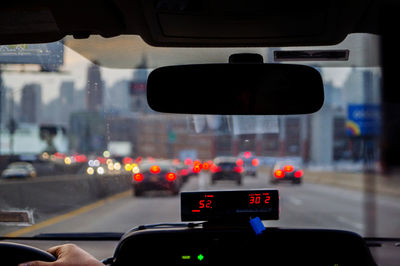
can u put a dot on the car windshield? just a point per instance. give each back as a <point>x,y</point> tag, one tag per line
<point>77,111</point>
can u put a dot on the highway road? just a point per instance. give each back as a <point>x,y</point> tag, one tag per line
<point>306,206</point>
<point>302,206</point>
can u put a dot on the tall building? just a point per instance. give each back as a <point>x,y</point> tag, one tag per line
<point>31,102</point>
<point>66,104</point>
<point>117,97</point>
<point>87,133</point>
<point>138,86</point>
<point>94,89</point>
<point>67,92</point>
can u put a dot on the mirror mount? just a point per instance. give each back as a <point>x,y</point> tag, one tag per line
<point>246,58</point>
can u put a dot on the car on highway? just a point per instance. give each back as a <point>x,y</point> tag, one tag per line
<point>183,170</point>
<point>157,176</point>
<point>249,162</point>
<point>286,171</point>
<point>19,170</point>
<point>166,79</point>
<point>225,168</point>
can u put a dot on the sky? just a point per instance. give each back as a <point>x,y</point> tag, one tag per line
<point>75,69</point>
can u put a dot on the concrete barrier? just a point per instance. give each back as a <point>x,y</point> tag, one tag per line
<point>383,185</point>
<point>59,193</point>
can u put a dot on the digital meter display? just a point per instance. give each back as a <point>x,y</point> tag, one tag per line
<point>223,205</point>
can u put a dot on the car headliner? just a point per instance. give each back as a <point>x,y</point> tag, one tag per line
<point>130,51</point>
<point>203,23</point>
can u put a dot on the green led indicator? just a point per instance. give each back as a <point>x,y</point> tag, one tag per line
<point>200,257</point>
<point>186,257</point>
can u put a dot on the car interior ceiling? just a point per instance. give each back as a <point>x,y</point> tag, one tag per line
<point>159,23</point>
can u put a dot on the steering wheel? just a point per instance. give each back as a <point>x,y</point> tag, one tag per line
<point>13,254</point>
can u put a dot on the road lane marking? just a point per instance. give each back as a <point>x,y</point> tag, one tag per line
<point>68,215</point>
<point>344,220</point>
<point>295,201</point>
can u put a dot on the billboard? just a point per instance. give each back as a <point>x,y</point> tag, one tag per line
<point>50,56</point>
<point>363,120</point>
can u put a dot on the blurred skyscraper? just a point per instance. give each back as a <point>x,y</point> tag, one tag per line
<point>94,89</point>
<point>138,88</point>
<point>31,102</point>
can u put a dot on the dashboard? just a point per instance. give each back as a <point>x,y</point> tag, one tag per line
<point>240,246</point>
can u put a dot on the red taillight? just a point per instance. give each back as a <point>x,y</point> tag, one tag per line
<point>170,177</point>
<point>81,158</point>
<point>298,173</point>
<point>279,173</point>
<point>197,162</point>
<point>188,161</point>
<point>127,160</point>
<point>247,154</point>
<point>102,160</point>
<point>184,172</point>
<point>197,168</point>
<point>255,162</point>
<point>215,169</point>
<point>239,162</point>
<point>155,169</point>
<point>288,168</point>
<point>238,169</point>
<point>206,166</point>
<point>138,177</point>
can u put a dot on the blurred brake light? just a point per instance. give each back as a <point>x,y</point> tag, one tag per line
<point>298,173</point>
<point>247,154</point>
<point>238,169</point>
<point>170,177</point>
<point>288,168</point>
<point>239,162</point>
<point>206,166</point>
<point>197,168</point>
<point>155,169</point>
<point>184,172</point>
<point>188,161</point>
<point>138,177</point>
<point>279,173</point>
<point>127,160</point>
<point>215,169</point>
<point>255,162</point>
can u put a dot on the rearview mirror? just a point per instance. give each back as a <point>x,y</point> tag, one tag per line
<point>237,89</point>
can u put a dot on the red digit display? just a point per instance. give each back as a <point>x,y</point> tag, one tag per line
<point>256,199</point>
<point>239,204</point>
<point>206,203</point>
<point>201,204</point>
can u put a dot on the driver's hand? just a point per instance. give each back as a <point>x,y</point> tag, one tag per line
<point>67,255</point>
